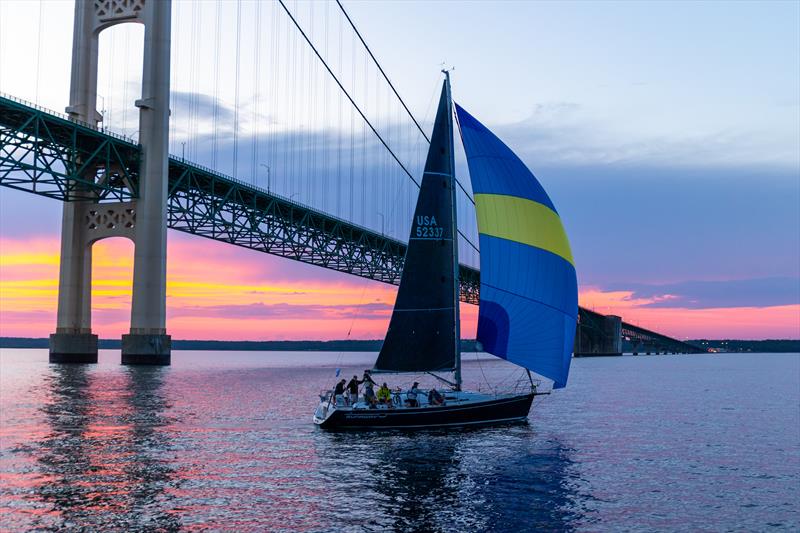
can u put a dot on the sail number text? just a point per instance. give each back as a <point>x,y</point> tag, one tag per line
<point>428,227</point>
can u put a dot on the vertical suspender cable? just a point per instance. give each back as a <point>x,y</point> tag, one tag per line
<point>196,58</point>
<point>2,42</point>
<point>325,126</point>
<point>339,135</point>
<point>347,94</point>
<point>125,102</point>
<point>307,120</point>
<point>352,25</point>
<point>291,101</point>
<point>254,130</point>
<point>39,52</point>
<point>352,133</point>
<point>174,76</point>
<point>236,105</point>
<point>273,110</point>
<point>364,151</point>
<point>215,122</point>
<point>109,88</point>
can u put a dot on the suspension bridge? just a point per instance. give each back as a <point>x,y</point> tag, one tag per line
<point>314,210</point>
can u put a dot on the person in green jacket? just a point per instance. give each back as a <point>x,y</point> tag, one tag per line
<point>384,395</point>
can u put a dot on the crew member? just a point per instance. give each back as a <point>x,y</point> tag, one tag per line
<point>434,398</point>
<point>352,389</point>
<point>411,395</point>
<point>338,391</point>
<point>369,394</point>
<point>384,395</point>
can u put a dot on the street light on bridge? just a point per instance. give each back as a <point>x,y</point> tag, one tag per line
<point>382,226</point>
<point>268,180</point>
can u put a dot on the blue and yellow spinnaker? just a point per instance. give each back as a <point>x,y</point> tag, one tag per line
<point>529,291</point>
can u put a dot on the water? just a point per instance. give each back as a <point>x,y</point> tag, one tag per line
<point>225,441</point>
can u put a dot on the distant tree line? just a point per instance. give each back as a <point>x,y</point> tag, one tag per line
<point>725,345</point>
<point>278,346</point>
<point>765,346</point>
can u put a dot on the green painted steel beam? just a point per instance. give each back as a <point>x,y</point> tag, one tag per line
<point>50,155</point>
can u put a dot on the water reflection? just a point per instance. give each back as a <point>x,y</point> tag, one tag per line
<point>414,473</point>
<point>102,461</point>
<point>483,479</point>
<point>63,453</point>
<point>523,482</point>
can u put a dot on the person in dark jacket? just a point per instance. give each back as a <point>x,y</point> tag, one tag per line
<point>339,389</point>
<point>434,398</point>
<point>368,378</point>
<point>352,389</point>
<point>369,395</point>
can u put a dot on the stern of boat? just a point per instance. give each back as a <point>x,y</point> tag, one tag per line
<point>325,408</point>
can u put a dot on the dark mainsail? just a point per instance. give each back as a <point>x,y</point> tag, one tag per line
<point>424,326</point>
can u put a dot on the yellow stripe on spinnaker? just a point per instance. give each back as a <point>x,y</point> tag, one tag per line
<point>522,220</point>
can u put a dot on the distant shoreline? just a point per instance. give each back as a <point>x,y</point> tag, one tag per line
<point>718,346</point>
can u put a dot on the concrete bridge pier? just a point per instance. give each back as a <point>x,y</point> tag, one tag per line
<point>143,220</point>
<point>603,337</point>
<point>148,342</point>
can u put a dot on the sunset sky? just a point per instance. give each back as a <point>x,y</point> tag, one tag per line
<point>667,134</point>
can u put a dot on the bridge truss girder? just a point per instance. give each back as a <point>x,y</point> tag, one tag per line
<point>641,339</point>
<point>204,203</point>
<point>63,159</point>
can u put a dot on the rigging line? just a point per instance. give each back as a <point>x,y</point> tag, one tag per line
<point>468,241</point>
<point>465,192</point>
<point>478,359</point>
<point>381,69</point>
<point>461,134</point>
<point>363,116</point>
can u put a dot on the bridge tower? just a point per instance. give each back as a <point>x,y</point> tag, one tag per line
<point>144,219</point>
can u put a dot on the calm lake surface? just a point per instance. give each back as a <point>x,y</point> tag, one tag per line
<point>225,441</point>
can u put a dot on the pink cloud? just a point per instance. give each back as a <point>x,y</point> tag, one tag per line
<point>217,291</point>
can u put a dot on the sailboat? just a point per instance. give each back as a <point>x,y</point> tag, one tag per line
<point>528,294</point>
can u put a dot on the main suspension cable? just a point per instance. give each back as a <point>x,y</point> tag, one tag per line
<point>363,116</point>
<point>339,83</point>
<point>352,25</point>
<point>374,60</point>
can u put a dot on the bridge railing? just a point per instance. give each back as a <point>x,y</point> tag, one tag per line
<point>64,116</point>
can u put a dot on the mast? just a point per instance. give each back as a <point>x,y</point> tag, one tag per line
<point>456,309</point>
<point>422,333</point>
